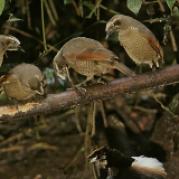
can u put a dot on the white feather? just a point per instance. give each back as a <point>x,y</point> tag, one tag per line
<point>148,165</point>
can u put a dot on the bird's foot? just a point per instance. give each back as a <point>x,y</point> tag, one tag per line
<point>80,90</point>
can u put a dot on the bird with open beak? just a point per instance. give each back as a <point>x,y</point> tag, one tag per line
<point>138,41</point>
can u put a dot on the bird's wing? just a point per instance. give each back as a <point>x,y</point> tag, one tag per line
<point>152,40</point>
<point>96,54</point>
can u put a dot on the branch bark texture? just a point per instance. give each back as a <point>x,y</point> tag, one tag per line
<point>57,102</point>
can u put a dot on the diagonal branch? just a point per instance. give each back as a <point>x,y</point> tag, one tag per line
<point>57,102</point>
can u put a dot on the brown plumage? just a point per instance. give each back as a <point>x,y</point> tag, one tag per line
<point>88,57</point>
<point>23,82</point>
<point>139,42</point>
<point>7,43</point>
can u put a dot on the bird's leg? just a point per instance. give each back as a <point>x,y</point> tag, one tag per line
<point>81,89</point>
<point>151,64</point>
<point>69,77</point>
<point>102,80</point>
<point>77,108</point>
<point>78,88</point>
<point>89,78</point>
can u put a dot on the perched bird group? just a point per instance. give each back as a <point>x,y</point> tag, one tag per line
<point>89,58</point>
<point>23,81</point>
<point>86,56</point>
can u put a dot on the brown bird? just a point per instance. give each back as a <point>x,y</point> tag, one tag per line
<point>139,42</point>
<point>23,82</point>
<point>7,43</point>
<point>88,57</point>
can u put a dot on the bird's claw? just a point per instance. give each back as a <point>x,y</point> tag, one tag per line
<point>80,90</point>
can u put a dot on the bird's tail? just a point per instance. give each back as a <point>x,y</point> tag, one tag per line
<point>123,69</point>
<point>148,166</point>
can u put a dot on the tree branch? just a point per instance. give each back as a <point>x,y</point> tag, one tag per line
<point>57,102</point>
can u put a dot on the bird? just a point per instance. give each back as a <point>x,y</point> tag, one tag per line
<point>139,42</point>
<point>23,82</point>
<point>8,43</point>
<point>112,159</point>
<point>87,57</point>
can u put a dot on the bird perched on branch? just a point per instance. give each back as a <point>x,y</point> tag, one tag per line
<point>88,57</point>
<point>7,43</point>
<point>23,82</point>
<point>112,159</point>
<point>138,41</point>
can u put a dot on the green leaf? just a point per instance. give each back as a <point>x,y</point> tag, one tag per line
<point>134,5</point>
<point>2,4</point>
<point>68,2</point>
<point>175,12</point>
<point>170,3</point>
<point>89,5</point>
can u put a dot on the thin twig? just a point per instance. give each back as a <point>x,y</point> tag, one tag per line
<point>43,24</point>
<point>54,11</point>
<point>161,6</point>
<point>95,8</point>
<point>107,9</point>
<point>49,12</point>
<point>28,14</point>
<point>157,20</point>
<point>26,34</point>
<point>163,106</point>
<point>173,40</point>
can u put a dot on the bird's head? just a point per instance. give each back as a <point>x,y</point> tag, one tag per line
<point>115,24</point>
<point>9,43</point>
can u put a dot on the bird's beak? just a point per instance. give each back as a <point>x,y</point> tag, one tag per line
<point>108,34</point>
<point>13,48</point>
<point>21,49</point>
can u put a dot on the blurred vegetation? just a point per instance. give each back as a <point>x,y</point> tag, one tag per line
<point>53,142</point>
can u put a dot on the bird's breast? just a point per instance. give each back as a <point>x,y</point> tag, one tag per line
<point>137,46</point>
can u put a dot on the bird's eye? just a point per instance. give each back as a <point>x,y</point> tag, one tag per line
<point>117,23</point>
